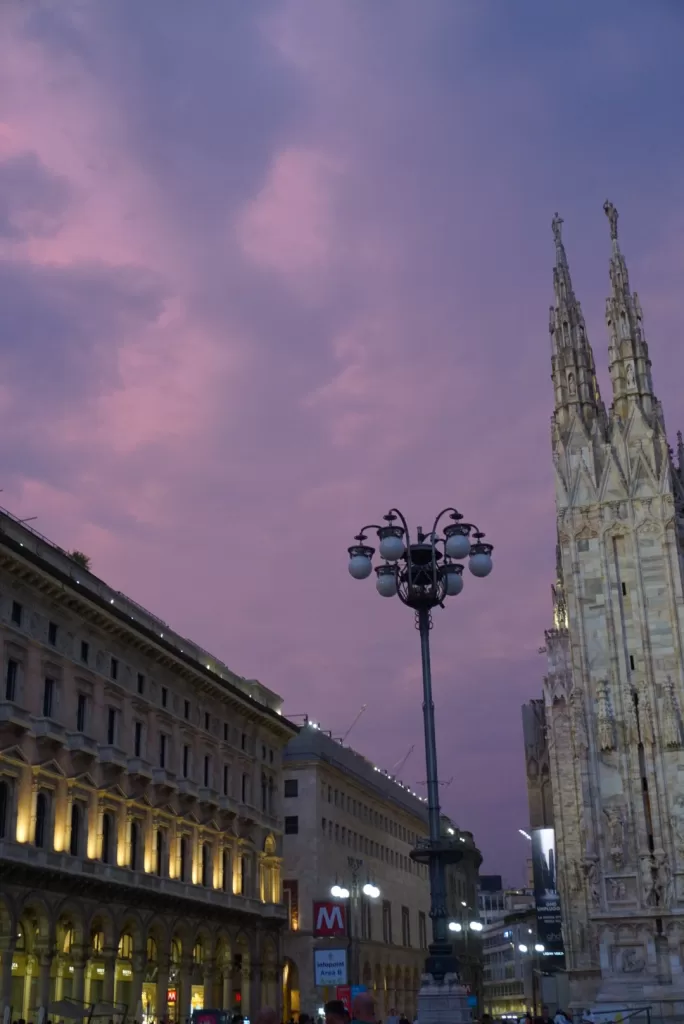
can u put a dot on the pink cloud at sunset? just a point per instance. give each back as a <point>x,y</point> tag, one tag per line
<point>267,270</point>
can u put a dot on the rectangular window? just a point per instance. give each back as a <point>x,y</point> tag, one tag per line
<point>245,788</point>
<point>186,709</point>
<point>52,633</point>
<point>422,930</point>
<point>405,927</point>
<point>164,696</point>
<point>141,682</point>
<point>387,922</point>
<point>186,760</point>
<point>111,726</point>
<point>291,825</point>
<point>631,661</point>
<point>81,706</point>
<point>207,765</point>
<point>225,732</point>
<point>137,742</point>
<point>162,749</point>
<point>48,697</point>
<point>226,779</point>
<point>11,677</point>
<point>243,741</point>
<point>291,787</point>
<point>207,720</point>
<point>17,613</point>
<point>85,651</point>
<point>114,668</point>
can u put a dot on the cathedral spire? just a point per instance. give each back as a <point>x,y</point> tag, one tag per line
<point>572,362</point>
<point>630,366</point>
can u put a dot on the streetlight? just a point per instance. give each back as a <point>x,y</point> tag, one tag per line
<point>522,947</point>
<point>353,894</point>
<point>539,948</point>
<point>423,573</point>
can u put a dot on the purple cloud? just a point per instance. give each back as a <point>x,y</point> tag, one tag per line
<point>266,271</point>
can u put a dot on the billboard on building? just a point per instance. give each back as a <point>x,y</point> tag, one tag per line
<point>546,897</point>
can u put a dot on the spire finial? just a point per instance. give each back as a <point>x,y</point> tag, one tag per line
<point>556,225</point>
<point>612,215</point>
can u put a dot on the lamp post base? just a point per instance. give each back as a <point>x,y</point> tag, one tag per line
<point>441,960</point>
<point>443,1001</point>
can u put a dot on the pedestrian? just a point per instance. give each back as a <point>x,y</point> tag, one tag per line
<point>335,1012</point>
<point>363,1009</point>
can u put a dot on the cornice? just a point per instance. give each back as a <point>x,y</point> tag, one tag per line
<point>48,579</point>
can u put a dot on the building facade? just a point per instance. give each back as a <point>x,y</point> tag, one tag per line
<point>348,824</point>
<point>614,689</point>
<point>140,806</point>
<point>511,965</point>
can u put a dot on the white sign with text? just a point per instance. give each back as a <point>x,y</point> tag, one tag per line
<point>330,966</point>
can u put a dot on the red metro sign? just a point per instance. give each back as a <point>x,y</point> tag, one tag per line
<point>330,919</point>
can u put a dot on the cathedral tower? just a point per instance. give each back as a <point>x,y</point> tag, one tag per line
<point>615,685</point>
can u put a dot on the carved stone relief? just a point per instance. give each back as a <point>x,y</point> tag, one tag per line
<point>630,960</point>
<point>616,823</point>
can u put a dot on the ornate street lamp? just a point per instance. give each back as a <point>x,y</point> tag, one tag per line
<point>423,573</point>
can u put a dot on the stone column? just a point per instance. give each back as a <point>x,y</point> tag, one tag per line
<point>44,968</point>
<point>7,956</point>
<point>138,965</point>
<point>62,969</point>
<point>226,978</point>
<point>184,985</point>
<point>254,989</point>
<point>109,959</point>
<point>209,979</point>
<point>161,1001</point>
<point>78,958</point>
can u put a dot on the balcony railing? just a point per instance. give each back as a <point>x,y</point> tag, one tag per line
<point>24,854</point>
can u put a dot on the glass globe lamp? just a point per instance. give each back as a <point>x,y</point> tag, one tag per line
<point>480,562</point>
<point>453,577</point>
<point>392,545</point>
<point>360,564</point>
<point>386,582</point>
<point>457,542</point>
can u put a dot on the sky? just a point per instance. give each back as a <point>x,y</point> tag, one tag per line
<point>268,269</point>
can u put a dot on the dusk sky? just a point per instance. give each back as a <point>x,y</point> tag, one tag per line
<point>267,269</point>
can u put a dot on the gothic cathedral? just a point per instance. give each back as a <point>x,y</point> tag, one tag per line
<point>614,691</point>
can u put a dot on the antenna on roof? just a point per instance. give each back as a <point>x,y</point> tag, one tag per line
<point>354,723</point>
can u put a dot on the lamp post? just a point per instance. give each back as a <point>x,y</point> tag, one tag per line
<point>340,892</point>
<point>423,573</point>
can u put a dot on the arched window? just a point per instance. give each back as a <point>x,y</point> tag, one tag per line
<point>42,811</point>
<point>175,952</point>
<point>135,843</point>
<point>125,951</point>
<point>151,950</point>
<point>107,836</point>
<point>4,808</point>
<point>197,953</point>
<point>75,838</point>
<point>206,864</point>
<point>264,793</point>
<point>67,941</point>
<point>98,941</point>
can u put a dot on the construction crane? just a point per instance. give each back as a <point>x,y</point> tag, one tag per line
<point>400,764</point>
<point>354,723</point>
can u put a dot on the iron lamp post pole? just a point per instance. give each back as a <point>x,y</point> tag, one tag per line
<point>423,573</point>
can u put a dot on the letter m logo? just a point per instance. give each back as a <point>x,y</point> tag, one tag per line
<point>329,919</point>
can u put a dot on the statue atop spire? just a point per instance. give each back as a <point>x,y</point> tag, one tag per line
<point>612,215</point>
<point>556,225</point>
